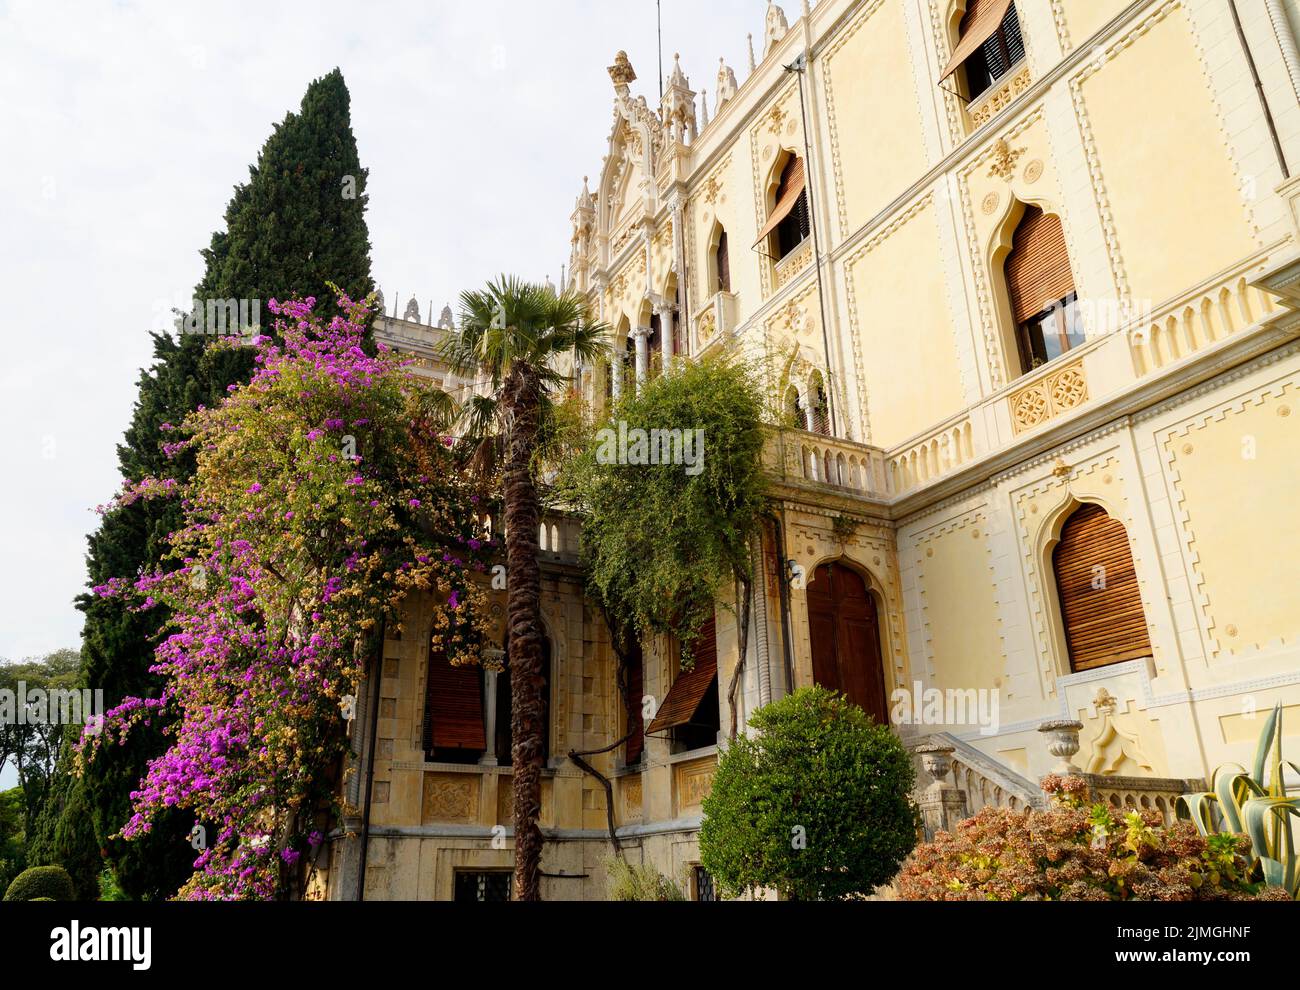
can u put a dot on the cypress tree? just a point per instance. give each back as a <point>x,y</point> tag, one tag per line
<point>295,225</point>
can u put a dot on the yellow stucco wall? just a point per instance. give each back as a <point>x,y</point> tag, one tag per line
<point>906,331</point>
<point>880,147</point>
<point>1169,173</point>
<point>1234,474</point>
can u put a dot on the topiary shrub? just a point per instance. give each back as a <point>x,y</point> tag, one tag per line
<point>1075,853</point>
<point>815,806</point>
<point>640,883</point>
<point>41,882</point>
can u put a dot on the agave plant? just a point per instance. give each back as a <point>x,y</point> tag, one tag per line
<point>1255,805</point>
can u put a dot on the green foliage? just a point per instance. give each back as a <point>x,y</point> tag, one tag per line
<point>109,888</point>
<point>1257,805</point>
<point>13,859</point>
<point>33,747</point>
<point>661,544</point>
<point>288,231</point>
<point>41,883</point>
<point>64,834</point>
<point>815,806</point>
<point>640,883</point>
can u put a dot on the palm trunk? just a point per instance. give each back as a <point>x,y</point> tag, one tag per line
<point>523,616</point>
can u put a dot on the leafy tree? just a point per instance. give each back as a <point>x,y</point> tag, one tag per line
<point>12,858</point>
<point>31,744</point>
<point>814,806</point>
<point>513,333</point>
<point>663,543</point>
<point>295,225</point>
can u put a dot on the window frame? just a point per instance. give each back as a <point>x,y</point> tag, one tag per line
<point>980,57</point>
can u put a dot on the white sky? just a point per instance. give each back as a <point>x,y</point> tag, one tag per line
<point>124,127</point>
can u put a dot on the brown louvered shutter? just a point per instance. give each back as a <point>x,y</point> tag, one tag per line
<point>1038,268</point>
<point>635,692</point>
<point>788,196</point>
<point>691,685</point>
<point>1101,603</point>
<point>453,707</point>
<point>981,22</point>
<point>724,264</point>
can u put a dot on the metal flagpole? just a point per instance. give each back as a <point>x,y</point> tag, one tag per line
<point>659,18</point>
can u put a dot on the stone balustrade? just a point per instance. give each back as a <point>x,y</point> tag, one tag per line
<point>932,457</point>
<point>801,457</point>
<point>1199,320</point>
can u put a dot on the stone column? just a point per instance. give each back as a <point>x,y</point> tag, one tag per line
<point>642,337</point>
<point>616,368</point>
<point>942,804</point>
<point>666,334</point>
<point>489,758</point>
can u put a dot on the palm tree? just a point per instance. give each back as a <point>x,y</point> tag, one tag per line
<point>512,334</point>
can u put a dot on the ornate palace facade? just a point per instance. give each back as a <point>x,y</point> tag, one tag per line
<point>1024,275</point>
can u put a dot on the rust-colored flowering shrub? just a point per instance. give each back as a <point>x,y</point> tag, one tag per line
<point>1075,853</point>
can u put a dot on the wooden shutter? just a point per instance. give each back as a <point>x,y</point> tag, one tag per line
<point>691,685</point>
<point>788,196</point>
<point>982,20</point>
<point>453,707</point>
<point>1038,268</point>
<point>635,692</point>
<point>724,264</point>
<point>1101,609</point>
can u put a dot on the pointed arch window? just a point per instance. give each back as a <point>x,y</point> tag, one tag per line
<point>1101,602</point>
<point>819,408</point>
<point>790,222</point>
<point>794,410</point>
<point>722,263</point>
<point>990,45</point>
<point>1040,284</point>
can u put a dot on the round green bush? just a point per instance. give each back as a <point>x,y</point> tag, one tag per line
<point>815,806</point>
<point>41,883</point>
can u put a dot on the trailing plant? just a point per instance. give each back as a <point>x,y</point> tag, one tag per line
<point>1255,804</point>
<point>815,806</point>
<point>324,493</point>
<point>1073,852</point>
<point>663,542</point>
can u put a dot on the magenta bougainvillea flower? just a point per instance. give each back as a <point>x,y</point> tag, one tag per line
<point>298,544</point>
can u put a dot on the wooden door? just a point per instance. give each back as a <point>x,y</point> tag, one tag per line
<point>844,627</point>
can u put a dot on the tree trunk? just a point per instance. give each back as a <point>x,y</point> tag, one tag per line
<point>521,397</point>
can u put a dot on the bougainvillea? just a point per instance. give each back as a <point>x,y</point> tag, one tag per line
<point>325,495</point>
<point>1074,852</point>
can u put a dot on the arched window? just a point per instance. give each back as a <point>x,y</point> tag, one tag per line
<point>819,413</point>
<point>793,411</point>
<point>1041,288</point>
<point>722,263</point>
<point>789,223</point>
<point>1101,603</point>
<point>990,45</point>
<point>691,708</point>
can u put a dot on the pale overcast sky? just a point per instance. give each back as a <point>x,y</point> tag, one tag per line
<point>126,124</point>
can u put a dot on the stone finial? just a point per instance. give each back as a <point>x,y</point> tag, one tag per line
<point>1063,743</point>
<point>412,314</point>
<point>753,63</point>
<point>622,72</point>
<point>379,302</point>
<point>727,85</point>
<point>704,109</point>
<point>777,26</point>
<point>446,321</point>
<point>678,106</point>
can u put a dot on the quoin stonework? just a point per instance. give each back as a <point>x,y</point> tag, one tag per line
<point>1026,276</point>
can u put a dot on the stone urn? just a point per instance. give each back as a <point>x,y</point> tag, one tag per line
<point>1063,743</point>
<point>937,760</point>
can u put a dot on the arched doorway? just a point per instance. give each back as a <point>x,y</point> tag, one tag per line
<point>844,626</point>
